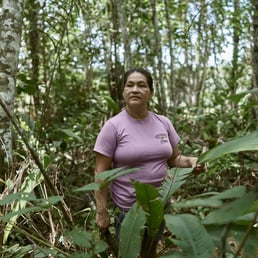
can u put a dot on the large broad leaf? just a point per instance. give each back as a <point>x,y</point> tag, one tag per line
<point>214,199</point>
<point>32,180</point>
<point>248,142</point>
<point>131,233</point>
<point>148,197</point>
<point>106,177</point>
<point>177,177</point>
<point>110,175</point>
<point>191,236</point>
<point>235,192</point>
<point>89,187</point>
<point>173,254</point>
<point>207,202</point>
<point>235,236</point>
<point>231,211</point>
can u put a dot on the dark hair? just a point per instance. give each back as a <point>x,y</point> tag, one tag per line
<point>142,71</point>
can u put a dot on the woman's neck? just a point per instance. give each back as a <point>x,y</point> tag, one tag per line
<point>137,114</point>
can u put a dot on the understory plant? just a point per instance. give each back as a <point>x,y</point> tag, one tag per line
<point>225,226</point>
<point>211,224</point>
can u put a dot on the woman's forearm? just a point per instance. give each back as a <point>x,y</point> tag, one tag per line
<point>101,197</point>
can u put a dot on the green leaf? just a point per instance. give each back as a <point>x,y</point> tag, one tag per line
<point>13,215</point>
<point>47,161</point>
<point>191,236</point>
<point>71,134</point>
<point>81,238</point>
<point>112,104</point>
<point>32,180</point>
<point>197,202</point>
<point>214,200</point>
<point>237,97</point>
<point>246,219</point>
<point>232,193</point>
<point>99,246</point>
<point>148,197</point>
<point>40,204</point>
<point>248,142</point>
<point>131,232</point>
<point>236,234</point>
<point>50,201</point>
<point>80,255</point>
<point>20,196</point>
<point>88,187</point>
<point>105,176</point>
<point>173,254</point>
<point>109,175</point>
<point>231,211</point>
<point>177,178</point>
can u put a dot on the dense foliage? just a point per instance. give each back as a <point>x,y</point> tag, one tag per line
<point>72,56</point>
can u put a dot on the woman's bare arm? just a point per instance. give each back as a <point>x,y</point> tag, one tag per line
<point>103,163</point>
<point>181,161</point>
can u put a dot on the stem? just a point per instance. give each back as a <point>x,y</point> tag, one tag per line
<point>63,207</point>
<point>224,239</point>
<point>246,235</point>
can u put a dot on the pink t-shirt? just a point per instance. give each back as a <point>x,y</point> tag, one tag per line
<point>144,144</point>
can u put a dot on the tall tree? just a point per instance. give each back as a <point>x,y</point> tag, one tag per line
<point>255,57</point>
<point>31,12</point>
<point>158,53</point>
<point>10,37</point>
<point>235,73</point>
<point>114,68</point>
<point>171,80</point>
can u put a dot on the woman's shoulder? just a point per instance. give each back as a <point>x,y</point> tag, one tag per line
<point>116,119</point>
<point>161,118</point>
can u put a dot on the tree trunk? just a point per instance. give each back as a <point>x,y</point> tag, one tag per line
<point>33,43</point>
<point>125,35</point>
<point>234,75</point>
<point>172,90</point>
<point>255,60</point>
<point>114,67</point>
<point>160,82</point>
<point>10,37</point>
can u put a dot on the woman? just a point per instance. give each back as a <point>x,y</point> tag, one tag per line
<point>135,138</point>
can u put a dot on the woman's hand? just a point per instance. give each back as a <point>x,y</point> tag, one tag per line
<point>102,220</point>
<point>192,161</point>
<point>198,168</point>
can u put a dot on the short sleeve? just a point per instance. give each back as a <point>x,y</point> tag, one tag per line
<point>106,141</point>
<point>172,134</point>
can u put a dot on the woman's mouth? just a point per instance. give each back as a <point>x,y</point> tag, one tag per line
<point>134,97</point>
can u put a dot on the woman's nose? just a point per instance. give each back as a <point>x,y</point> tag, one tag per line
<point>135,88</point>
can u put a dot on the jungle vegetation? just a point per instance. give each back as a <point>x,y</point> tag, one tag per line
<point>61,64</point>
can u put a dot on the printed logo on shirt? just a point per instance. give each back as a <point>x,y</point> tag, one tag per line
<point>162,137</point>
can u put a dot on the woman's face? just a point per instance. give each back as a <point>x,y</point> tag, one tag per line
<point>136,90</point>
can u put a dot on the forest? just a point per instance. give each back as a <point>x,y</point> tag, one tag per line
<point>61,64</point>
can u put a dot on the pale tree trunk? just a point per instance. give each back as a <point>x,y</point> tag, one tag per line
<point>202,56</point>
<point>172,88</point>
<point>160,81</point>
<point>255,60</point>
<point>125,35</point>
<point>10,37</point>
